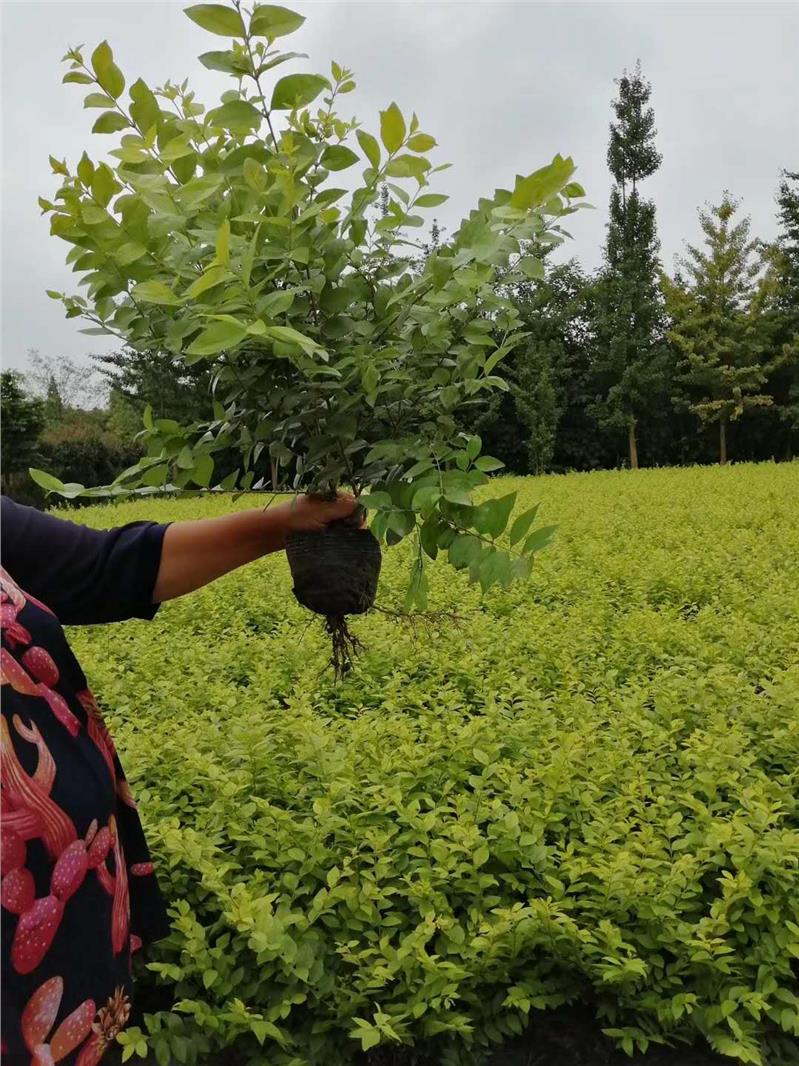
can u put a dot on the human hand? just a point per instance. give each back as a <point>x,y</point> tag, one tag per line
<point>310,514</point>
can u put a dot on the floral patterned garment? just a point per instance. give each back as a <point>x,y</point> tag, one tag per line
<point>78,890</point>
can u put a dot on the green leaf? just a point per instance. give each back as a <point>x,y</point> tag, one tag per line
<point>185,459</point>
<point>98,100</point>
<point>407,166</point>
<point>212,277</point>
<point>269,20</point>
<point>338,157</point>
<point>223,243</point>
<point>522,524</point>
<point>45,480</point>
<point>370,147</point>
<point>464,550</point>
<point>369,1038</point>
<point>495,569</point>
<point>421,142</point>
<point>156,476</point>
<point>93,215</point>
<point>236,115</point>
<point>539,539</point>
<point>392,128</point>
<point>376,501</point>
<point>276,303</point>
<point>460,494</point>
<point>574,190</point>
<point>263,1029</point>
<point>177,148</point>
<point>542,184</point>
<point>492,516</point>
<point>154,292</point>
<point>370,382</point>
<point>129,253</point>
<point>254,174</point>
<point>218,337</point>
<point>201,475</point>
<point>104,184</point>
<point>473,446</point>
<point>76,77</point>
<point>425,499</point>
<point>297,90</point>
<point>288,335</point>
<point>430,199</point>
<point>216,18</point>
<point>531,267</point>
<point>85,170</point>
<point>226,62</point>
<point>144,108</point>
<point>416,596</point>
<point>428,536</point>
<point>487,463</point>
<point>110,122</point>
<point>108,74</point>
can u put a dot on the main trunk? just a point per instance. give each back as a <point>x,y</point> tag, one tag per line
<point>633,446</point>
<point>723,442</point>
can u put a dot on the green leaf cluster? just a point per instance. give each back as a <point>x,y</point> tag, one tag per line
<point>338,356</point>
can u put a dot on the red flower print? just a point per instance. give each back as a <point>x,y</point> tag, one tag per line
<point>33,793</point>
<point>99,848</point>
<point>13,850</point>
<point>40,663</point>
<point>35,932</point>
<point>39,1016</point>
<point>18,891</point>
<point>11,673</point>
<point>70,870</point>
<point>97,729</point>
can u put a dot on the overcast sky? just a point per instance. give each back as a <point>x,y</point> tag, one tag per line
<point>503,87</point>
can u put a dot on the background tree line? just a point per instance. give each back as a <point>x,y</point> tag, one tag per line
<point>627,365</point>
<point>631,366</point>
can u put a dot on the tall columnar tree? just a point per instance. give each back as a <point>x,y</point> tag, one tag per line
<point>630,364</point>
<point>713,326</point>
<point>778,302</point>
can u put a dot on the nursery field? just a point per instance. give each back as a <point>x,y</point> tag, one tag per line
<point>580,794</point>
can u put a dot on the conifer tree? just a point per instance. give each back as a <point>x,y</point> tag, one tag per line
<point>778,302</point>
<point>631,362</point>
<point>711,303</point>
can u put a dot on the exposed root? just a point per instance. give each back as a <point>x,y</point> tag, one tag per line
<point>345,645</point>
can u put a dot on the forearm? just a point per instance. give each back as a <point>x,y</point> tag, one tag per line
<point>195,553</point>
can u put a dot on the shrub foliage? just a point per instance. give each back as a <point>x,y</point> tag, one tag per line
<point>589,788</point>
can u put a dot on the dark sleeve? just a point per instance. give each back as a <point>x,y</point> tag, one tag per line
<point>83,575</point>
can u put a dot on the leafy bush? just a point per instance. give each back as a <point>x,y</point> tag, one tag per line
<point>80,448</point>
<point>589,788</point>
<point>224,236</point>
